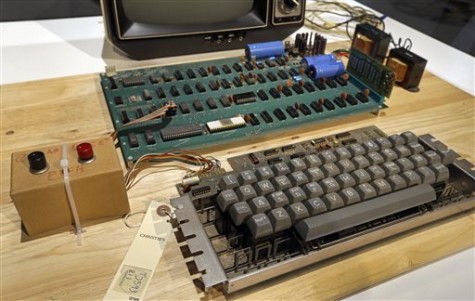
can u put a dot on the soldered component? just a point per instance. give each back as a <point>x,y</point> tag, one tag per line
<point>181,131</point>
<point>133,81</point>
<point>246,97</point>
<point>407,66</point>
<point>225,124</point>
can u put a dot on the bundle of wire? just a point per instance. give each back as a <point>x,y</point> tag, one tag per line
<point>205,164</point>
<point>338,18</point>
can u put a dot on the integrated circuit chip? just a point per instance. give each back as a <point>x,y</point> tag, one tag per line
<point>246,97</point>
<point>225,124</point>
<point>133,81</point>
<point>181,131</point>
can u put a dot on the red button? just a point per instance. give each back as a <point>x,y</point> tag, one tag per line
<point>85,151</point>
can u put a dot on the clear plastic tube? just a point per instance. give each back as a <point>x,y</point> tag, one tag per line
<point>67,184</point>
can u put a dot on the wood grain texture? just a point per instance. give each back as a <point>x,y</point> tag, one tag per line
<point>71,109</point>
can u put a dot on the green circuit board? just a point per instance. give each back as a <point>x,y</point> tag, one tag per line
<point>225,100</point>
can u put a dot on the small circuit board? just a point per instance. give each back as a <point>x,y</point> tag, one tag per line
<point>225,100</point>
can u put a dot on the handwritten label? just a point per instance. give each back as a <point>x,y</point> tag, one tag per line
<point>132,281</point>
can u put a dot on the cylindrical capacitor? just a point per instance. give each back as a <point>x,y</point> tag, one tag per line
<point>37,161</point>
<point>318,59</point>
<point>266,49</point>
<point>327,70</point>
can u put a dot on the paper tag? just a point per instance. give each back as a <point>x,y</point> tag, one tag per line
<point>134,274</point>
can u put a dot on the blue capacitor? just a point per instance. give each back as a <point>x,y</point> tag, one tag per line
<point>263,50</point>
<point>331,69</point>
<point>318,59</point>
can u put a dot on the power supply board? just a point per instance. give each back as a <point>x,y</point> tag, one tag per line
<point>218,101</point>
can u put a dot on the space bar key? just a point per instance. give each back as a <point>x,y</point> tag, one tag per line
<point>334,221</point>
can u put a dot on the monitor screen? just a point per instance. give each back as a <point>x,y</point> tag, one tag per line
<point>159,18</point>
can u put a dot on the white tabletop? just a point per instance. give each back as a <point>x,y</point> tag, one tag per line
<point>33,50</point>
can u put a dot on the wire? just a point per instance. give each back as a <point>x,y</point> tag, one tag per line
<point>205,164</point>
<point>316,16</point>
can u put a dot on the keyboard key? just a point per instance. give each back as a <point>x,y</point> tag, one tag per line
<point>246,192</point>
<point>295,194</point>
<point>418,160</point>
<point>314,174</point>
<point>298,178</point>
<point>264,173</point>
<point>370,146</point>
<point>315,206</point>
<point>350,196</point>
<point>260,226</point>
<point>228,182</point>
<point>345,218</point>
<point>383,143</point>
<point>409,137</point>
<point>297,211</point>
<point>297,164</point>
<point>239,213</point>
<point>264,187</point>
<point>411,178</point>
<point>366,191</point>
<point>313,189</point>
<point>329,185</point>
<point>376,172</point>
<point>226,198</point>
<point>330,170</point>
<point>333,201</point>
<point>247,177</point>
<point>279,219</point>
<point>390,168</point>
<point>374,158</point>
<point>281,168</point>
<point>432,157</point>
<point>415,148</point>
<point>346,165</point>
<point>448,156</point>
<point>259,205</point>
<point>278,199</point>
<point>388,154</point>
<point>361,176</point>
<point>396,140</point>
<point>396,182</point>
<point>345,180</point>
<point>356,149</point>
<point>281,183</point>
<point>342,153</point>
<point>402,151</point>
<point>327,156</point>
<point>312,160</point>
<point>441,172</point>
<point>404,164</point>
<point>426,174</point>
<point>381,186</point>
<point>360,162</point>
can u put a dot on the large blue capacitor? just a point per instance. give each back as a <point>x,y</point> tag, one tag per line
<point>318,59</point>
<point>263,50</point>
<point>331,69</point>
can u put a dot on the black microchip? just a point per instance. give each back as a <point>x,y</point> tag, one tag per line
<point>245,97</point>
<point>341,81</point>
<point>280,61</point>
<point>184,108</point>
<point>328,105</point>
<point>113,84</point>
<point>200,87</point>
<point>292,112</point>
<point>237,81</point>
<point>304,109</point>
<point>274,92</point>
<point>147,95</point>
<point>319,85</point>
<point>262,95</point>
<point>211,103</point>
<point>316,106</point>
<point>298,89</point>
<point>249,79</point>
<point>275,160</point>
<point>152,108</point>
<point>124,117</point>
<point>270,63</point>
<point>271,76</point>
<point>214,70</point>
<point>190,73</point>
<point>279,114</point>
<point>180,131</point>
<point>225,101</point>
<point>363,98</point>
<point>178,75</point>
<point>331,83</point>
<point>339,102</point>
<point>253,119</point>
<point>214,85</point>
<point>286,91</point>
<point>203,72</point>
<point>237,67</point>
<point>260,65</point>
<point>266,116</point>
<point>351,100</point>
<point>133,81</point>
<point>133,141</point>
<point>149,138</point>
<point>225,83</point>
<point>167,78</point>
<point>187,89</point>
<point>226,69</point>
<point>309,87</point>
<point>282,74</point>
<point>200,190</point>
<point>154,79</point>
<point>248,66</point>
<point>198,106</point>
<point>161,93</point>
<point>140,113</point>
<point>174,91</point>
<point>293,72</point>
<point>118,100</point>
<point>261,78</point>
